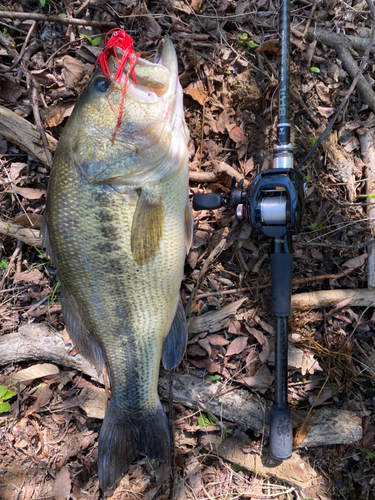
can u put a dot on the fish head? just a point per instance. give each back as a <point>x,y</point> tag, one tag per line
<point>132,130</point>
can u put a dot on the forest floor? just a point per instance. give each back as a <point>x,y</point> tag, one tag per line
<point>227,52</point>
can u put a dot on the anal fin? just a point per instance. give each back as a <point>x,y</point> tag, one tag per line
<point>86,342</point>
<point>175,342</point>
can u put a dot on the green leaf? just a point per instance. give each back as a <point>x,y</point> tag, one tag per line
<point>96,41</point>
<point>335,399</point>
<point>4,407</point>
<point>370,455</point>
<point>237,468</point>
<point>315,70</point>
<point>3,390</point>
<point>9,394</point>
<point>205,419</point>
<point>242,36</point>
<point>308,178</point>
<point>42,2</point>
<point>252,45</point>
<point>362,389</point>
<point>313,225</point>
<point>212,378</point>
<point>62,15</point>
<point>88,37</point>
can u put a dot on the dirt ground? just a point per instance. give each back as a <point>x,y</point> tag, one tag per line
<point>227,52</point>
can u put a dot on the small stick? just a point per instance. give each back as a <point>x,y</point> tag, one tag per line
<point>18,59</point>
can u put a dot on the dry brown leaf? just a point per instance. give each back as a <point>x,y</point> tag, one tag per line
<point>270,46</point>
<point>216,339</point>
<point>43,399</point>
<point>197,92</point>
<point>10,91</point>
<point>205,343</point>
<point>248,166</point>
<point>30,276</point>
<point>356,262</point>
<point>15,170</point>
<point>196,5</point>
<point>236,134</point>
<point>323,93</point>
<point>153,28</point>
<point>236,346</point>
<point>73,71</point>
<point>29,193</point>
<point>28,375</point>
<point>62,485</point>
<point>24,220</point>
<point>53,115</point>
<point>326,112</point>
<point>261,382</point>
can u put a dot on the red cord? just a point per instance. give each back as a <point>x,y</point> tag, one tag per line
<point>118,38</point>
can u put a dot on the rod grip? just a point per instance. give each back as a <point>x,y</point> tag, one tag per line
<point>207,201</point>
<point>281,279</point>
<point>281,436</point>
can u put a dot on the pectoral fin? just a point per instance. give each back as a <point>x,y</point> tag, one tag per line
<point>175,342</point>
<point>147,228</point>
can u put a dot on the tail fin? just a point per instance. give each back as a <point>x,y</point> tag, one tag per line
<point>120,440</point>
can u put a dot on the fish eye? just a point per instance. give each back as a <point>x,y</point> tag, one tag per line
<point>102,84</point>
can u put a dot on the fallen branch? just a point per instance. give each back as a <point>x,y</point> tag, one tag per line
<point>200,176</point>
<point>19,131</point>
<point>328,425</point>
<point>54,19</point>
<point>333,298</point>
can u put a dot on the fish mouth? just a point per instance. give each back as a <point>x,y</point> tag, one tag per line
<point>153,79</point>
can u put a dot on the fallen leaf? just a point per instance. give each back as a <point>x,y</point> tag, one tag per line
<point>196,5</point>
<point>326,112</point>
<point>153,28</point>
<point>214,321</point>
<point>356,262</point>
<point>236,134</point>
<point>216,339</point>
<point>28,375</point>
<point>205,343</point>
<point>62,485</point>
<point>261,382</point>
<point>15,170</point>
<point>10,91</point>
<point>323,93</point>
<point>248,166</point>
<point>29,276</point>
<point>270,46</point>
<point>24,220</point>
<point>29,193</point>
<point>53,115</point>
<point>236,346</point>
<point>197,92</point>
<point>73,71</point>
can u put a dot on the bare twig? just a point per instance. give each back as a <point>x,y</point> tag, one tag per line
<point>18,59</point>
<point>54,19</point>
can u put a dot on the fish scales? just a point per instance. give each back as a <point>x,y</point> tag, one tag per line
<point>117,220</point>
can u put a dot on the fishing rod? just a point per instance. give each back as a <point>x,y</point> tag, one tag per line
<point>273,203</point>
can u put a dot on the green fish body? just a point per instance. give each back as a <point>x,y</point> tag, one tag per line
<point>118,222</point>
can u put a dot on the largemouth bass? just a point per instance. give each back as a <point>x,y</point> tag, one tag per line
<point>118,222</point>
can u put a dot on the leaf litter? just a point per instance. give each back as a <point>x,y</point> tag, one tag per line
<point>228,58</point>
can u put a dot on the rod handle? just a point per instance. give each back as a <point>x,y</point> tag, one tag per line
<point>207,201</point>
<point>281,435</point>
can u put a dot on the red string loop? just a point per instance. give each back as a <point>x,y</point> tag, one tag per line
<point>119,38</point>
